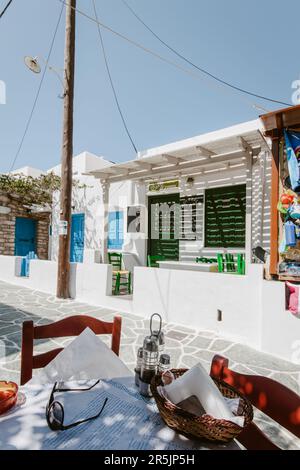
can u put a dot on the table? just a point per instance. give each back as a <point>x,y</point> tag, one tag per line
<point>128,422</point>
<point>189,266</point>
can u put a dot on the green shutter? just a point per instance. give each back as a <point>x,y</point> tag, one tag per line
<point>163,224</point>
<point>225,215</point>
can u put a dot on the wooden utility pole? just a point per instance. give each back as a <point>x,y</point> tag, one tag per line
<point>63,275</point>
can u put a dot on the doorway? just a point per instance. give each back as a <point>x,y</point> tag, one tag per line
<point>25,236</point>
<point>77,238</point>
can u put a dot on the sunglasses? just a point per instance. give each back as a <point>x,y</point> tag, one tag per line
<point>55,411</point>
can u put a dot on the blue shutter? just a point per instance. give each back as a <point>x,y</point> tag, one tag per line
<point>115,230</point>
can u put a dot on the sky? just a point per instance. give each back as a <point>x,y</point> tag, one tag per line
<point>252,44</point>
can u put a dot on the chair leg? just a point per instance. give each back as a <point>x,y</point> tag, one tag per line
<point>129,283</point>
<point>117,284</point>
<point>27,352</point>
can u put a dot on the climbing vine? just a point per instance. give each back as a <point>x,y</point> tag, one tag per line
<point>29,190</point>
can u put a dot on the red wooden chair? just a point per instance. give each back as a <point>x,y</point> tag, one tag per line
<point>272,398</point>
<point>71,326</point>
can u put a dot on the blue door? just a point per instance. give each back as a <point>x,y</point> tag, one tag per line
<point>77,238</point>
<point>25,236</point>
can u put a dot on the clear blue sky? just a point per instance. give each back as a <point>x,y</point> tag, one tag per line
<point>250,43</point>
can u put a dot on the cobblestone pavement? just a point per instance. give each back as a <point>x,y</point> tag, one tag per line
<point>186,346</point>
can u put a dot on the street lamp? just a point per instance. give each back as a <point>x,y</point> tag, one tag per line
<point>32,63</point>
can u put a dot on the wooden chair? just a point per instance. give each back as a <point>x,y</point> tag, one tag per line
<point>71,326</point>
<point>121,277</point>
<point>229,265</point>
<point>272,398</point>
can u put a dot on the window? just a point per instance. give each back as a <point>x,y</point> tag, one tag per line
<point>115,230</point>
<point>225,213</point>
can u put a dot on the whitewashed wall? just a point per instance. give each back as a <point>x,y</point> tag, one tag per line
<point>253,310</point>
<point>88,200</point>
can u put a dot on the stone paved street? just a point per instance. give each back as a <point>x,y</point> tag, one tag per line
<point>186,346</point>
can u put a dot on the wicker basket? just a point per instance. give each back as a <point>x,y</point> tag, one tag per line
<point>205,426</point>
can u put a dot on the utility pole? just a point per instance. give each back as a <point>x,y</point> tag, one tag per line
<point>63,275</point>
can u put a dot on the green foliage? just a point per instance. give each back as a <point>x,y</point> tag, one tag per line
<point>30,190</point>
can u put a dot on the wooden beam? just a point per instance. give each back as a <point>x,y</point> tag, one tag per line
<point>171,159</point>
<point>204,151</point>
<point>143,165</point>
<point>232,156</point>
<point>244,144</point>
<point>274,202</point>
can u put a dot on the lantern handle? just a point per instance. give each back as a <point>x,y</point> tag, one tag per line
<point>151,320</point>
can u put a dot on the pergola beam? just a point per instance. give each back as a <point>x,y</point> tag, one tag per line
<point>143,165</point>
<point>176,168</point>
<point>244,145</point>
<point>170,163</point>
<point>171,159</point>
<point>204,152</point>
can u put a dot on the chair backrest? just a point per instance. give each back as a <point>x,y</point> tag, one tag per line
<point>230,265</point>
<point>271,397</point>
<point>152,260</point>
<point>71,326</point>
<point>115,259</point>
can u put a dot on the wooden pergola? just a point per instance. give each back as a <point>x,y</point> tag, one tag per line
<point>227,149</point>
<point>275,123</point>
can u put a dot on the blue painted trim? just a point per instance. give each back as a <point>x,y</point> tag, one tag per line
<point>115,230</point>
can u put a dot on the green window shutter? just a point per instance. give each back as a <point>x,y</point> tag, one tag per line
<point>225,217</point>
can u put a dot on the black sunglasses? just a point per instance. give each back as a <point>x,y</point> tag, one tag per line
<point>55,411</point>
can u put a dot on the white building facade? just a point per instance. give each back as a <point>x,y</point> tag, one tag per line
<point>120,197</point>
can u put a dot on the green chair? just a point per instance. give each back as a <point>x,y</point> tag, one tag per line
<point>228,264</point>
<point>121,277</point>
<point>152,260</point>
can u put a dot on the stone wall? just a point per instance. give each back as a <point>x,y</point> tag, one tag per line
<point>8,223</point>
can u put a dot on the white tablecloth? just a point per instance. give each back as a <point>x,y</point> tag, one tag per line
<point>128,421</point>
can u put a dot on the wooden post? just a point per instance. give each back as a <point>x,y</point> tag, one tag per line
<point>274,202</point>
<point>104,237</point>
<point>63,276</point>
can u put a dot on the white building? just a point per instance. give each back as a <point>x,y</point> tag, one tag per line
<point>232,164</point>
<point>187,169</point>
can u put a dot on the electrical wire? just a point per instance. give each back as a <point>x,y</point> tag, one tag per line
<point>38,91</point>
<point>5,8</point>
<point>202,70</point>
<point>149,51</point>
<point>111,80</point>
<point>143,48</point>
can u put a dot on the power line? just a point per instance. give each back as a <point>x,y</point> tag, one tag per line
<point>140,46</point>
<point>111,81</point>
<point>149,51</point>
<point>38,92</point>
<point>5,8</point>
<point>202,70</point>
